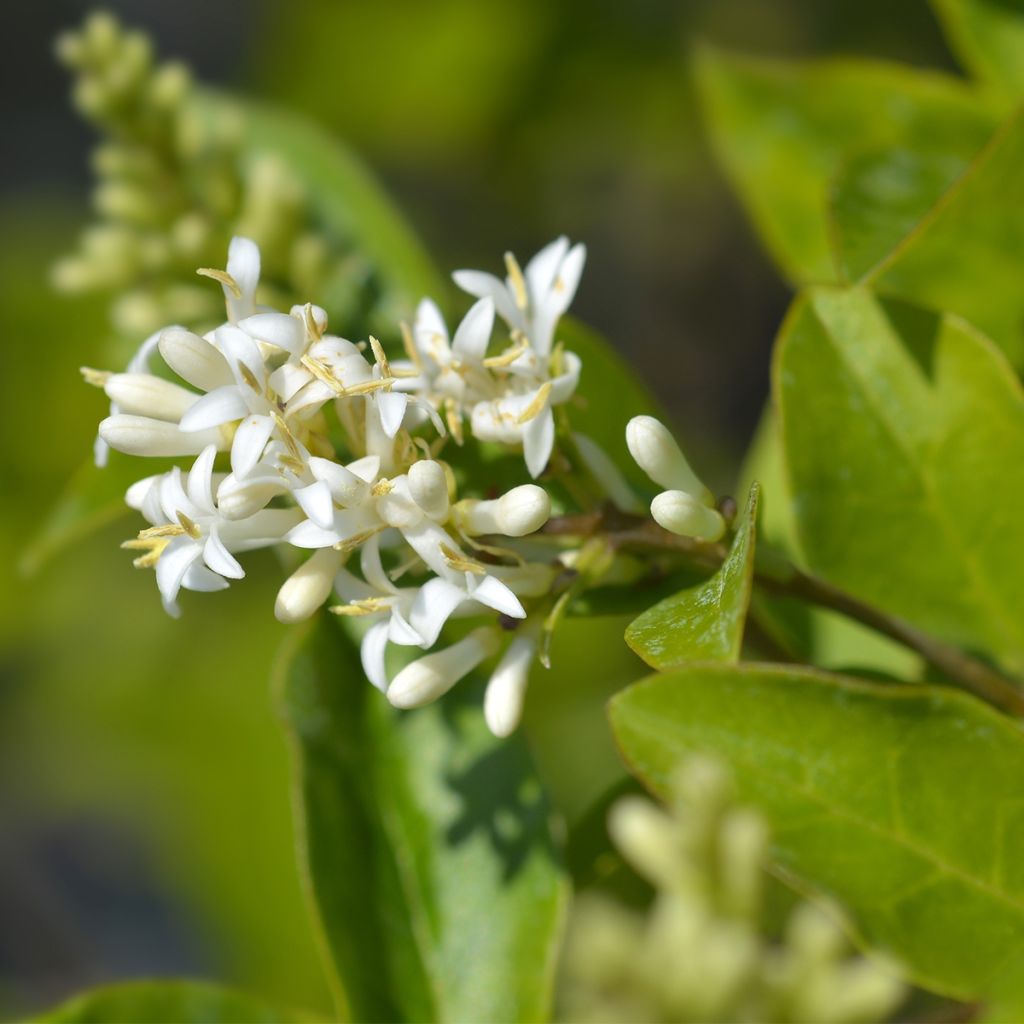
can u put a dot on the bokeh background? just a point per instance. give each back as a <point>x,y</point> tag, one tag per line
<point>144,819</point>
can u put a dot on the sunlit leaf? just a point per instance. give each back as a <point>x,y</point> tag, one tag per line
<point>158,1002</point>
<point>904,433</point>
<point>783,130</point>
<point>988,37</point>
<point>427,846</point>
<point>704,622</point>
<point>903,802</point>
<point>967,255</point>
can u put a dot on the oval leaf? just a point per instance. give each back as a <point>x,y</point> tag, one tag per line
<point>858,781</point>
<point>426,844</point>
<point>904,436</point>
<point>705,622</point>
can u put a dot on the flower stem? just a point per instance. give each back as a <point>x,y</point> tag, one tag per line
<point>776,574</point>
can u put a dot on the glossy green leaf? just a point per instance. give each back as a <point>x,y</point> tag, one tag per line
<point>427,845</point>
<point>807,633</point>
<point>967,255</point>
<point>704,622</point>
<point>880,197</point>
<point>988,37</point>
<point>902,802</point>
<point>160,1002</point>
<point>904,433</point>
<point>782,131</point>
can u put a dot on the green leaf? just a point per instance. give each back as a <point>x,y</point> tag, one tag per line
<point>901,802</point>
<point>782,131</point>
<point>881,196</point>
<point>705,622</point>
<point>427,845</point>
<point>967,255</point>
<point>904,435</point>
<point>158,1002</point>
<point>988,38</point>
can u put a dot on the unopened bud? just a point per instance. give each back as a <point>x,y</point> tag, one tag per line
<point>145,395</point>
<point>308,587</point>
<point>646,837</point>
<point>681,513</point>
<point>655,451</point>
<point>435,674</point>
<point>522,510</point>
<point>140,435</point>
<point>428,485</point>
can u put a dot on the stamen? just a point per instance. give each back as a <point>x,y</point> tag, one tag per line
<point>353,542</point>
<point>460,563</point>
<point>380,356</point>
<point>515,276</point>
<point>381,487</point>
<point>250,378</point>
<point>361,606</point>
<point>97,378</point>
<point>312,327</point>
<point>224,277</point>
<point>454,420</point>
<point>165,530</point>
<point>507,358</point>
<point>537,405</point>
<point>190,527</point>
<point>409,345</point>
<point>289,438</point>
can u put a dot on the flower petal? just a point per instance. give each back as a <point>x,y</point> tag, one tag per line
<point>200,480</point>
<point>491,592</point>
<point>316,501</point>
<point>433,606</point>
<point>400,632</point>
<point>371,653</point>
<point>220,406</point>
<point>538,440</point>
<point>244,267</point>
<point>278,329</point>
<point>201,579</point>
<point>477,283</point>
<point>474,333</point>
<point>391,407</point>
<point>251,438</point>
<point>219,559</point>
<point>541,270</point>
<point>172,566</point>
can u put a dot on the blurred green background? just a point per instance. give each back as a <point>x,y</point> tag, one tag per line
<point>144,820</point>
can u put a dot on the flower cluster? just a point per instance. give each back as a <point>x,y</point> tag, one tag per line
<point>701,953</point>
<point>305,440</point>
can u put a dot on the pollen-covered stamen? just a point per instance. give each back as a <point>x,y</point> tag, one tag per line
<point>362,606</point>
<point>288,437</point>
<point>411,352</point>
<point>152,546</point>
<point>381,487</point>
<point>460,563</point>
<point>313,329</point>
<point>250,378</point>
<point>518,282</point>
<point>223,277</point>
<point>508,357</point>
<point>97,378</point>
<point>189,526</point>
<point>350,544</point>
<point>380,357</point>
<point>540,400</point>
<point>453,418</point>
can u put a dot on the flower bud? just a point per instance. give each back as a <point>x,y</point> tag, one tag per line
<point>503,699</point>
<point>428,485</point>
<point>522,510</point>
<point>681,513</point>
<point>145,395</point>
<point>433,675</point>
<point>194,359</point>
<point>655,451</point>
<point>646,837</point>
<point>308,587</point>
<point>140,435</point>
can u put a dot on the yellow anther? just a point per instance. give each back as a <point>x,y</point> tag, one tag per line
<point>409,345</point>
<point>380,356</point>
<point>289,438</point>
<point>224,277</point>
<point>97,378</point>
<point>312,327</point>
<point>460,563</point>
<point>381,487</point>
<point>515,276</point>
<point>357,539</point>
<point>165,530</point>
<point>540,400</point>
<point>507,358</point>
<point>189,527</point>
<point>250,378</point>
<point>369,386</point>
<point>453,417</point>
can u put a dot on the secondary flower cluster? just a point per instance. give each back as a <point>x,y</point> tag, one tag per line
<point>330,447</point>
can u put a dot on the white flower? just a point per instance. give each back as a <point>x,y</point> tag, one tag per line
<point>503,698</point>
<point>531,301</point>
<point>433,675</point>
<point>190,544</point>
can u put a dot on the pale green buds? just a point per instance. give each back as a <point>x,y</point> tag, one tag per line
<point>308,587</point>
<point>521,511</point>
<point>428,485</point>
